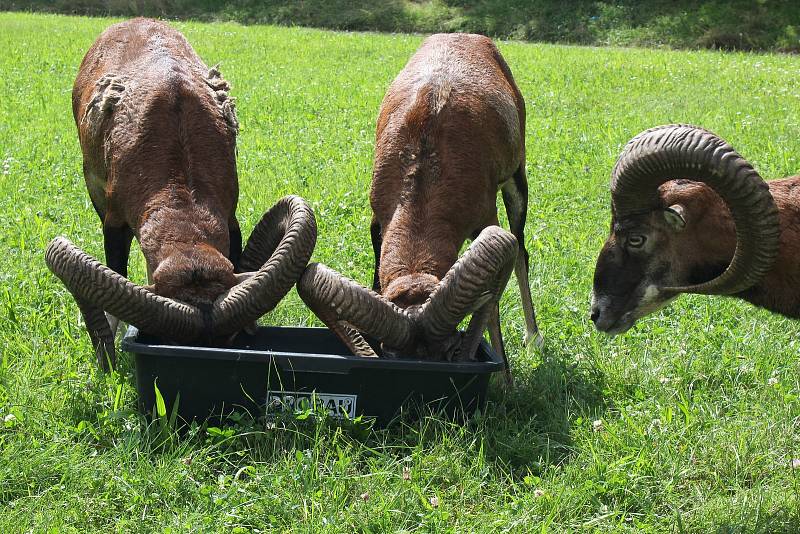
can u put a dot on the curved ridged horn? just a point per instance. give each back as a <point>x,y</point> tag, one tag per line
<point>478,277</point>
<point>680,151</point>
<point>279,247</point>
<point>286,236</point>
<point>341,303</point>
<point>93,284</point>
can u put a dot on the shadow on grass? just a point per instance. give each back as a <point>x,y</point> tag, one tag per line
<point>531,426</point>
<point>782,521</point>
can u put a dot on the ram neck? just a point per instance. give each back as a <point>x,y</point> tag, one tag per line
<point>169,228</point>
<point>403,254</point>
<point>711,247</point>
<point>779,291</point>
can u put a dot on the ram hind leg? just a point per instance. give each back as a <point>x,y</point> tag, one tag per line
<point>496,337</point>
<point>489,317</point>
<point>102,326</point>
<point>377,243</point>
<point>235,244</point>
<point>117,244</point>
<point>515,198</point>
<point>100,333</point>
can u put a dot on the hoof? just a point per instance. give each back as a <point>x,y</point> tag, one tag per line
<point>535,344</point>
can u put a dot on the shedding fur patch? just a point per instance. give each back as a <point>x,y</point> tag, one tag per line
<point>439,96</point>
<point>419,157</point>
<point>220,87</point>
<point>108,93</point>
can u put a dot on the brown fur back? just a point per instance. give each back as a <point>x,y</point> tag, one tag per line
<point>450,131</point>
<point>158,135</point>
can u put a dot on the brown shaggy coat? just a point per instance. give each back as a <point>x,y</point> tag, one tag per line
<point>708,243</point>
<point>158,135</point>
<point>450,134</point>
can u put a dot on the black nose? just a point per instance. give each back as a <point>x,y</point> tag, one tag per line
<point>595,314</point>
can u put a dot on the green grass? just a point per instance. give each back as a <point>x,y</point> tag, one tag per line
<point>720,24</point>
<point>696,436</point>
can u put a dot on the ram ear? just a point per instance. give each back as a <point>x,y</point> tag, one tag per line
<point>674,217</point>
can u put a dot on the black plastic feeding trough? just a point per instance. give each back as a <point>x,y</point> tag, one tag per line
<point>289,368</point>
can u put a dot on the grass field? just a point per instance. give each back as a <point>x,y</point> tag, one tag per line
<point>700,404</point>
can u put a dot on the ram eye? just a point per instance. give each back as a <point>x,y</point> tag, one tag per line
<point>636,241</point>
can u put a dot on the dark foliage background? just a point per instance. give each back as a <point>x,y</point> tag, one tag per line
<point>732,25</point>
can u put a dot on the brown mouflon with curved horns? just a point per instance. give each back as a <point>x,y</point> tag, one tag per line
<point>690,215</point>
<point>158,134</point>
<point>450,133</point>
